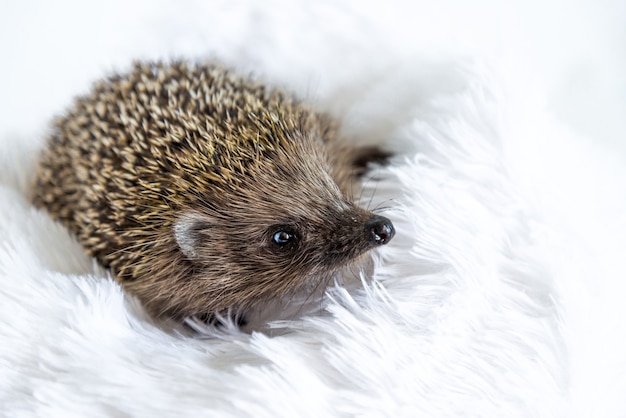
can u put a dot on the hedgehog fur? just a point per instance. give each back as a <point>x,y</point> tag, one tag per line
<point>204,191</point>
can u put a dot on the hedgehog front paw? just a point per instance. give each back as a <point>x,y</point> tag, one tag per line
<point>219,321</point>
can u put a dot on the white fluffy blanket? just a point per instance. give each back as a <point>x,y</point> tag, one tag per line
<point>502,293</point>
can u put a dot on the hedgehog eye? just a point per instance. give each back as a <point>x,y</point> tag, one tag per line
<point>284,237</point>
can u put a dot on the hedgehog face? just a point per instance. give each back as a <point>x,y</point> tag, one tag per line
<point>289,228</point>
<point>247,260</point>
<point>286,249</point>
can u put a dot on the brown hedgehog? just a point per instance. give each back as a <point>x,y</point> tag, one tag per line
<point>205,192</point>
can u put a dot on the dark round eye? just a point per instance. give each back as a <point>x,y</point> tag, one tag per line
<point>282,238</point>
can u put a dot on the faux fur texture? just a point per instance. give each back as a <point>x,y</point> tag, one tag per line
<point>502,293</point>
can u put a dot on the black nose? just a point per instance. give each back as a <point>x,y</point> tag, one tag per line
<point>379,230</point>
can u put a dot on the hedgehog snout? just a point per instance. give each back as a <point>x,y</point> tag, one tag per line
<point>379,230</point>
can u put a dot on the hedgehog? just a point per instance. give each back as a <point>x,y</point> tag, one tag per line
<point>205,192</point>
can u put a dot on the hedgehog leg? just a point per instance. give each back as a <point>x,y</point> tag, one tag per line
<point>365,156</point>
<point>350,164</point>
<point>220,321</point>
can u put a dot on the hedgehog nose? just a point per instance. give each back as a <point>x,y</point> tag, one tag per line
<point>379,230</point>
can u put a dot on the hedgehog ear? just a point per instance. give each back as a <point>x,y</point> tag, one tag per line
<point>188,230</point>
